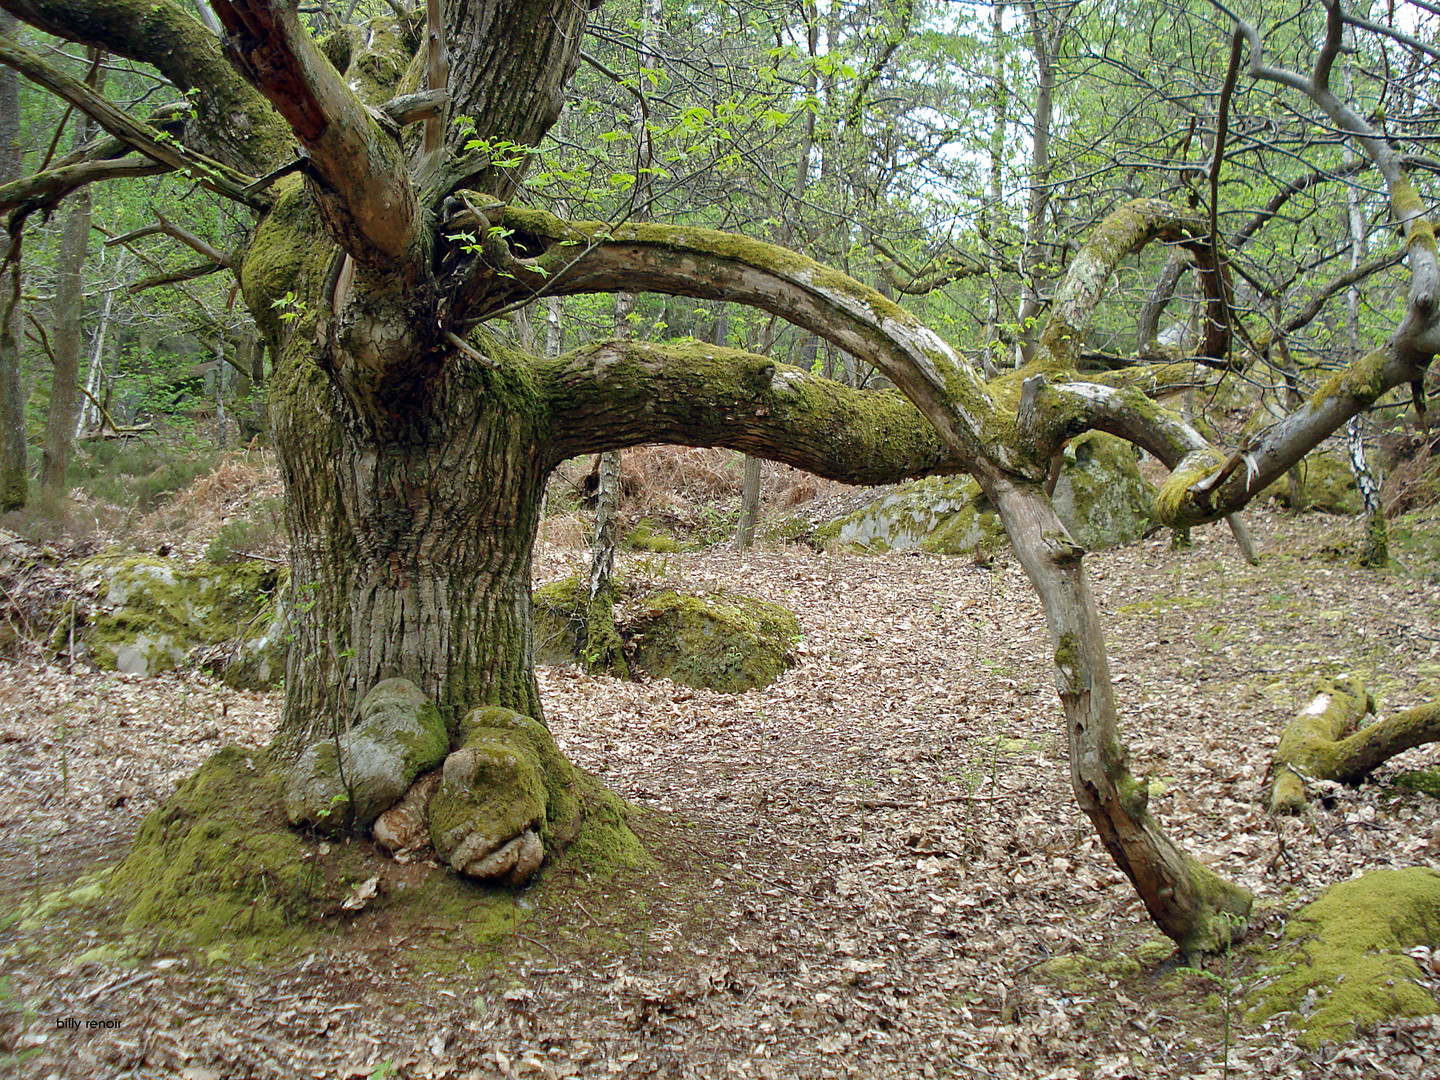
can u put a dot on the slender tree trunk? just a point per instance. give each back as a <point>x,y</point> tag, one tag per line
<point>749,504</point>
<point>750,485</point>
<point>67,322</point>
<point>1047,32</point>
<point>1193,906</point>
<point>1000,97</point>
<point>67,340</point>
<point>1375,548</point>
<point>601,648</point>
<point>14,463</point>
<point>97,360</point>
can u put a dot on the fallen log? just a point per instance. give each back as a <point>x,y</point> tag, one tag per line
<point>1325,742</point>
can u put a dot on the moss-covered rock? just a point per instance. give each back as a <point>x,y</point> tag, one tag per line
<point>944,514</point>
<point>153,615</point>
<point>719,641</point>
<point>1100,495</point>
<point>343,784</point>
<point>1344,959</point>
<point>557,614</point>
<point>505,796</point>
<point>1329,486</point>
<point>645,537</point>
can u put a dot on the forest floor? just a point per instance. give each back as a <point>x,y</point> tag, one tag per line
<point>874,867</point>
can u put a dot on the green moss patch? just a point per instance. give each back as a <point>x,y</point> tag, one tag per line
<point>1425,781</point>
<point>721,641</point>
<point>218,870</point>
<point>217,861</point>
<point>1343,962</point>
<point>645,537</point>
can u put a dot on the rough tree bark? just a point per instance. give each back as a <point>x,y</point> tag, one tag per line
<point>414,445</point>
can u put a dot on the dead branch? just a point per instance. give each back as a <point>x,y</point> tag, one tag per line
<point>150,141</point>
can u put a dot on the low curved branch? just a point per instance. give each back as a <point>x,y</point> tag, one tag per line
<point>1126,230</point>
<point>561,258</point>
<point>612,395</point>
<point>1210,486</point>
<point>44,190</point>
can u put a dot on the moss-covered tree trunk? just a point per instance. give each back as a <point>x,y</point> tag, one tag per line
<point>1193,906</point>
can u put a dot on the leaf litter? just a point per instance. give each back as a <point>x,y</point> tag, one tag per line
<point>873,867</point>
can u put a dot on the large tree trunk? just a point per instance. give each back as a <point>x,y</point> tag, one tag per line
<point>410,550</point>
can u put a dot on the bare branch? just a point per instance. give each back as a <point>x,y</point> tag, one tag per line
<point>43,191</point>
<point>1317,302</point>
<point>1396,35</point>
<point>190,240</point>
<point>156,144</point>
<point>175,276</point>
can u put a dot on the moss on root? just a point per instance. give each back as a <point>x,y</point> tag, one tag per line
<point>217,868</point>
<point>1343,963</point>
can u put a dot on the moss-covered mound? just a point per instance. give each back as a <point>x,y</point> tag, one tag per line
<point>1100,495</point>
<point>218,860</point>
<point>153,615</point>
<point>217,867</point>
<point>719,641</point>
<point>1343,962</point>
<point>722,641</point>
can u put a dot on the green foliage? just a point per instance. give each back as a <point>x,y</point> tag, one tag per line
<point>260,531</point>
<point>135,474</point>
